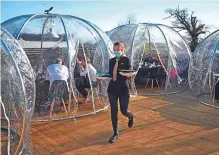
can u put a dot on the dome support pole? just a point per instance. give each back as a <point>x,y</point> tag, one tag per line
<point>25,23</point>
<point>91,25</point>
<point>95,38</point>
<point>9,124</point>
<point>149,47</point>
<point>41,42</point>
<point>94,108</point>
<point>187,47</point>
<point>91,87</point>
<point>169,60</point>
<point>70,67</point>
<point>132,44</point>
<point>115,30</point>
<point>132,83</point>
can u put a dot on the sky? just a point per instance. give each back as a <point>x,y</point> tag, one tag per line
<point>107,14</point>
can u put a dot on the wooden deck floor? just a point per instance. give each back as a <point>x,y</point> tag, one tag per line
<point>174,125</point>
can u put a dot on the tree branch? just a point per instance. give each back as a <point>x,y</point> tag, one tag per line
<point>188,22</point>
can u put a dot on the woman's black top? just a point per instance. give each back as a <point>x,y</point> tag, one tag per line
<point>119,86</point>
<point>124,64</point>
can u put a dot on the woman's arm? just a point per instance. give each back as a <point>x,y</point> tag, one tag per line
<point>85,72</point>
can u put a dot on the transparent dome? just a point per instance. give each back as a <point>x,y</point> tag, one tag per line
<point>45,38</point>
<point>17,97</point>
<point>204,70</point>
<point>158,53</point>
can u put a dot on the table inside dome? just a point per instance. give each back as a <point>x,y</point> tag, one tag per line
<point>146,71</point>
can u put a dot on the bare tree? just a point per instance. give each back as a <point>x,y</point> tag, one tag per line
<point>183,21</point>
<point>130,19</point>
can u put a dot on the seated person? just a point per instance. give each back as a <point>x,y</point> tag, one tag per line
<point>77,70</point>
<point>88,69</point>
<point>157,60</point>
<point>58,76</point>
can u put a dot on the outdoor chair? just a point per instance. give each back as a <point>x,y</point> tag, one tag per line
<point>152,77</point>
<point>96,92</point>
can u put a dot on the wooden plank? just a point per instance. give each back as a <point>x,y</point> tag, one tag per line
<point>161,126</point>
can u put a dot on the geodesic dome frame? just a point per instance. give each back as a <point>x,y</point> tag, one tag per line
<point>203,69</point>
<point>147,39</point>
<point>45,37</point>
<point>17,95</point>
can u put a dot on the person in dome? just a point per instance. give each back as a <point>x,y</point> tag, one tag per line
<point>89,71</point>
<point>157,60</point>
<point>118,88</point>
<point>58,76</point>
<point>77,70</point>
